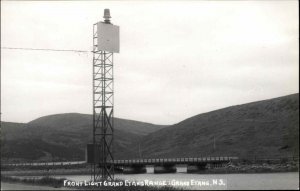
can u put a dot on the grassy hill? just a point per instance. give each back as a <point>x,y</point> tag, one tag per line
<point>267,128</point>
<point>64,137</point>
<point>76,121</point>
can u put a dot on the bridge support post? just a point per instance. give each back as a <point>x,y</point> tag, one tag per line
<point>192,168</point>
<point>165,168</point>
<point>215,165</point>
<point>134,169</point>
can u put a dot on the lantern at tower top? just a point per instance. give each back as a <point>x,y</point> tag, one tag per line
<point>108,35</point>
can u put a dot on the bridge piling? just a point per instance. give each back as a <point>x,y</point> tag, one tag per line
<point>167,168</point>
<point>134,169</point>
<point>193,168</point>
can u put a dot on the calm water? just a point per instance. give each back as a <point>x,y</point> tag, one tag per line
<point>265,181</point>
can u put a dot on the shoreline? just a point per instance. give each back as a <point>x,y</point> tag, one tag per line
<point>79,172</point>
<point>40,182</point>
<point>57,183</point>
<point>228,168</point>
<point>239,168</point>
<point>24,186</point>
<point>50,183</point>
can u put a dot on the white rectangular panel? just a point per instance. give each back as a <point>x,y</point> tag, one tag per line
<point>108,37</point>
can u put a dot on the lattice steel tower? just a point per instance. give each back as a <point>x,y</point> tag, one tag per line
<point>105,44</point>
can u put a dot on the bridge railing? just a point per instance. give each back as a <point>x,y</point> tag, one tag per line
<point>208,159</point>
<point>174,160</point>
<point>160,160</point>
<point>127,161</point>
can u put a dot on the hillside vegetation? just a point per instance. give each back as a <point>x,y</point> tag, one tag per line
<point>268,128</point>
<point>64,137</point>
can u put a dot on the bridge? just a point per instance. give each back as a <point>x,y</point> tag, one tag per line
<point>168,165</point>
<point>172,161</point>
<point>161,165</point>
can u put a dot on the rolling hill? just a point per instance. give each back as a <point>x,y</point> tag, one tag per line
<point>64,137</point>
<point>76,121</point>
<point>268,128</point>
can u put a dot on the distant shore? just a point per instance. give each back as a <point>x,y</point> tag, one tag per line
<point>232,168</point>
<point>52,172</point>
<point>225,169</point>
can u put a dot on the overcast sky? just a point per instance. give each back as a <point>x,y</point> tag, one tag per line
<point>177,58</point>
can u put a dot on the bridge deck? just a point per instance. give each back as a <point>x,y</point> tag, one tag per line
<point>135,162</point>
<point>173,161</point>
